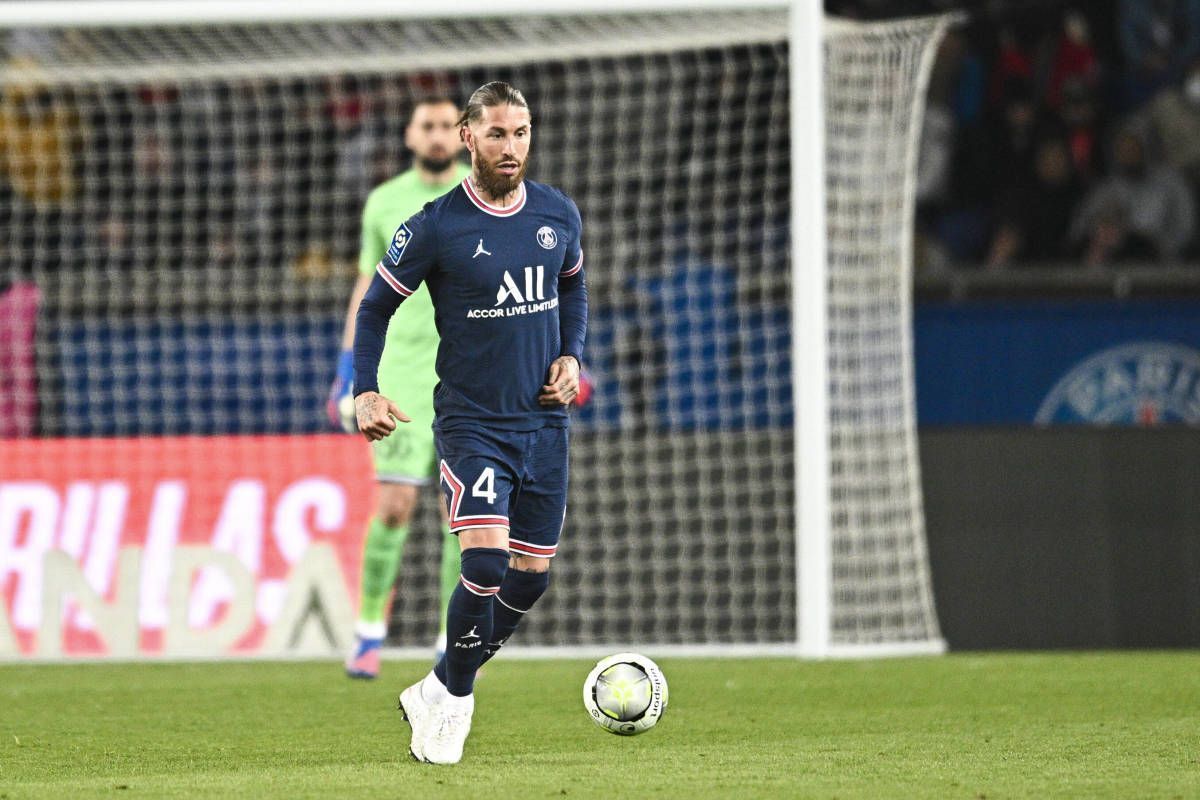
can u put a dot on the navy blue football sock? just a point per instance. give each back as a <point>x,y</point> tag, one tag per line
<point>469,617</point>
<point>518,592</point>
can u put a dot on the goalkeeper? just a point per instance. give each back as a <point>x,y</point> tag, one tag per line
<point>404,461</point>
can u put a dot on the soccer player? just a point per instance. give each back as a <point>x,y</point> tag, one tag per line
<point>502,259</point>
<point>405,461</point>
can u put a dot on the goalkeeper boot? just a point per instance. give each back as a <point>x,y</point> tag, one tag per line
<point>363,661</point>
<point>448,730</point>
<point>418,705</point>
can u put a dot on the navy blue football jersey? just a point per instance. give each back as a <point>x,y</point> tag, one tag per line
<point>509,297</point>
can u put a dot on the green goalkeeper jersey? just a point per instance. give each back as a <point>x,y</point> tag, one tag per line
<point>406,371</point>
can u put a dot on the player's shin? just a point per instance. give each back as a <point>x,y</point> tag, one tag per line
<point>381,558</point>
<point>450,571</point>
<point>518,592</point>
<point>469,617</point>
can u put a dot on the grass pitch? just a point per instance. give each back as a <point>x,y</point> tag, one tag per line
<point>1120,725</point>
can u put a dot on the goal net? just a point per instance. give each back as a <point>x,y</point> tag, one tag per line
<point>179,214</point>
<point>875,79</point>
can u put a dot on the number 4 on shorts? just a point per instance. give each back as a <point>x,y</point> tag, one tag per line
<point>485,487</point>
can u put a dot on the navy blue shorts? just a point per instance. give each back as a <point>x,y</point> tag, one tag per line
<point>506,479</point>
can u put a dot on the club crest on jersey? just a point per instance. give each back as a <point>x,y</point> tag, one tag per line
<point>399,241</point>
<point>547,238</point>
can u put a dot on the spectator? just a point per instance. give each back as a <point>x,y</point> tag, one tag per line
<point>1174,118</point>
<point>935,156</point>
<point>40,129</point>
<point>940,234</point>
<point>1035,215</point>
<point>959,79</point>
<point>1011,156</point>
<point>1141,211</point>
<point>1074,58</point>
<point>1158,39</point>
<point>1013,65</point>
<point>987,156</point>
<point>1079,117</point>
<point>940,123</point>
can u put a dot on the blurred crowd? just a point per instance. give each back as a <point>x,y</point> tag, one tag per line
<point>1068,138</point>
<point>211,176</point>
<point>1060,133</point>
<point>213,173</point>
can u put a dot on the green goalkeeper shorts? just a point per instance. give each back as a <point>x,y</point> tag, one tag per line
<point>407,455</point>
<point>407,378</point>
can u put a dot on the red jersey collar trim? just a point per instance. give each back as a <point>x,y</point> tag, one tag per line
<point>495,211</point>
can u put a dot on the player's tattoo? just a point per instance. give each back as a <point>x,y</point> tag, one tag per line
<point>366,409</point>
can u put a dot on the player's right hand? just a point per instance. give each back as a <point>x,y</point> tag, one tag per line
<point>375,415</point>
<point>340,405</point>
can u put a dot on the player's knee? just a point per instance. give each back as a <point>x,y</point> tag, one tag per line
<point>394,519</point>
<point>522,588</point>
<point>396,504</point>
<point>529,563</point>
<point>482,569</point>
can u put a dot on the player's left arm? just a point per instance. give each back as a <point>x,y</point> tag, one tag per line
<point>403,267</point>
<point>562,380</point>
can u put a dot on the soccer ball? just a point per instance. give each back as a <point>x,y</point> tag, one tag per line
<point>625,694</point>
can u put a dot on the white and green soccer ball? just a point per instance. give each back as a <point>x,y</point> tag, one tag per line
<point>625,694</point>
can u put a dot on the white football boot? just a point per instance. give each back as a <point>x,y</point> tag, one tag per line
<point>448,730</point>
<point>418,704</point>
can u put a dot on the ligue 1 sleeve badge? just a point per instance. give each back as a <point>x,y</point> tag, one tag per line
<point>547,238</point>
<point>399,241</point>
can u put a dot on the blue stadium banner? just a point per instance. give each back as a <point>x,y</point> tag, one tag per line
<point>1081,363</point>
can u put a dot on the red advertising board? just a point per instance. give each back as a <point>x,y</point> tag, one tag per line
<point>175,537</point>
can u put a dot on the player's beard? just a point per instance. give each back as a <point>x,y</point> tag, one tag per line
<point>494,183</point>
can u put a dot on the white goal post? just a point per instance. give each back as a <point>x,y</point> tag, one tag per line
<point>182,183</point>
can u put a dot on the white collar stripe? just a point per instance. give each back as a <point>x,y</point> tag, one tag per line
<point>494,210</point>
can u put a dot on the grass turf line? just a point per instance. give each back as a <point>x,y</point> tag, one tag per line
<point>964,726</point>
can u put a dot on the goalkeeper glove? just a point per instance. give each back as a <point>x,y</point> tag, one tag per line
<point>340,406</point>
<point>586,388</point>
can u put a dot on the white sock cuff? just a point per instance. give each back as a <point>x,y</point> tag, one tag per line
<point>370,630</point>
<point>466,702</point>
<point>433,690</point>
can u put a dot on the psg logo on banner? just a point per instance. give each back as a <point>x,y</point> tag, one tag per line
<point>1142,383</point>
<point>546,237</point>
